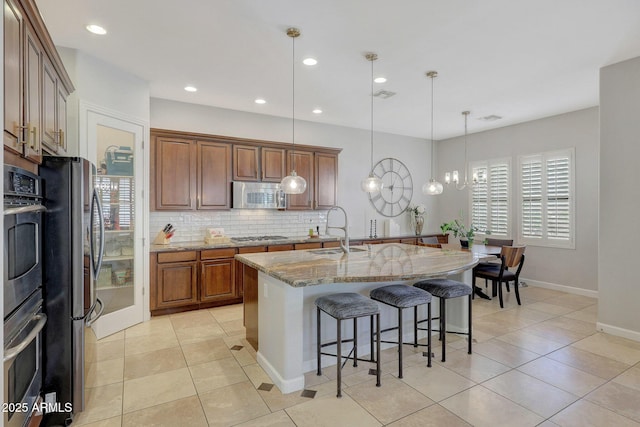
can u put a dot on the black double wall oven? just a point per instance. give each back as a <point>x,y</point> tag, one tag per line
<point>24,319</point>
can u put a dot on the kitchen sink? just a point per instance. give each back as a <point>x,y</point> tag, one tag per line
<point>333,251</point>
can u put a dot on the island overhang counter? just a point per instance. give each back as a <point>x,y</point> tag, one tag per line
<point>281,287</point>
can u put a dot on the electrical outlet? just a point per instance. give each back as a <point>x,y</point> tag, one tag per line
<point>266,292</point>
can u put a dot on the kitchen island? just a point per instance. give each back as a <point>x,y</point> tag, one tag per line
<point>280,290</point>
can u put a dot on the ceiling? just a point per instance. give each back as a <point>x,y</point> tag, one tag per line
<point>515,59</point>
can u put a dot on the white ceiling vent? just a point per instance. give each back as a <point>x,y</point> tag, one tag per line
<point>384,94</point>
<point>491,118</point>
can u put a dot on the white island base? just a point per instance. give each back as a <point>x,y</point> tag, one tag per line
<point>287,326</point>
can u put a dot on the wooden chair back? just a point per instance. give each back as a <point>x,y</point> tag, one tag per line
<point>499,242</point>
<point>512,255</point>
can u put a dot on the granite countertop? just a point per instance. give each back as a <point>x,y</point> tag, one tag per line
<point>196,246</point>
<point>368,263</point>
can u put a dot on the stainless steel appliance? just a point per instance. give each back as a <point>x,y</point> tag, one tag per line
<point>73,245</point>
<point>22,291</point>
<point>23,360</point>
<point>22,233</point>
<point>258,195</point>
<point>257,238</point>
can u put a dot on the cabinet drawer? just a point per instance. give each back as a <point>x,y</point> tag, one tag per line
<point>334,244</point>
<point>217,253</point>
<point>314,245</point>
<point>176,256</point>
<point>252,249</point>
<point>276,248</point>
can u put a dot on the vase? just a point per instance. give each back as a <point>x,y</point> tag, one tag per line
<point>418,224</point>
<point>466,244</point>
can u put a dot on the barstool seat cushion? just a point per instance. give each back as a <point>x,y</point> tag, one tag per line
<point>347,305</point>
<point>444,288</point>
<point>401,296</point>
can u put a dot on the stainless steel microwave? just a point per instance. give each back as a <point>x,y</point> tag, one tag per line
<point>258,195</point>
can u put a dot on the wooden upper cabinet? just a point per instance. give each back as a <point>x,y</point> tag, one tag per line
<point>49,106</point>
<point>33,90</point>
<point>214,175</point>
<point>13,74</point>
<point>245,163</point>
<point>254,163</point>
<point>273,164</point>
<point>303,161</point>
<point>61,116</point>
<point>326,180</point>
<point>175,174</point>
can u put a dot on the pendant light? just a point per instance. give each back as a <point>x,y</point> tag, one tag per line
<point>292,183</point>
<point>433,187</point>
<point>372,183</point>
<point>456,178</point>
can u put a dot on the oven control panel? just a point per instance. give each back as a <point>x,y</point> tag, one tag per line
<point>21,183</point>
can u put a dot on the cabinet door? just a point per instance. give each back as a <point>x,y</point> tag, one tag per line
<point>326,180</point>
<point>214,175</point>
<point>273,164</point>
<point>245,163</point>
<point>13,77</point>
<point>61,118</point>
<point>49,106</point>
<point>217,280</point>
<point>304,168</point>
<point>32,92</point>
<point>175,174</point>
<point>176,284</point>
<point>239,268</point>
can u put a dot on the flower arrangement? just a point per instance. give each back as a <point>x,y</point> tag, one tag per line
<point>417,213</point>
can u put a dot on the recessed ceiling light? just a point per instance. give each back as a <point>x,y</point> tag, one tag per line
<point>380,80</point>
<point>96,29</point>
<point>317,111</point>
<point>190,89</point>
<point>260,101</point>
<point>309,61</point>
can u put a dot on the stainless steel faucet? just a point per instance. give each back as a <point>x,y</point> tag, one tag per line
<point>344,244</point>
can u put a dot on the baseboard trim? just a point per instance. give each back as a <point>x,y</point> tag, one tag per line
<point>285,386</point>
<point>619,332</point>
<point>562,288</point>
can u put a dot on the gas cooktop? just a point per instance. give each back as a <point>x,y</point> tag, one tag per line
<point>257,238</point>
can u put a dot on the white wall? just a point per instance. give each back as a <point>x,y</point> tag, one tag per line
<point>354,160</point>
<point>103,85</point>
<point>618,308</point>
<point>552,266</point>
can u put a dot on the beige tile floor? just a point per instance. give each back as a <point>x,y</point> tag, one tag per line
<point>542,363</point>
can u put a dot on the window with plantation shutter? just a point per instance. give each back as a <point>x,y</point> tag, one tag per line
<point>490,197</point>
<point>547,199</point>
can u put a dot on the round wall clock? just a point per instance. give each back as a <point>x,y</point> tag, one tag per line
<point>397,188</point>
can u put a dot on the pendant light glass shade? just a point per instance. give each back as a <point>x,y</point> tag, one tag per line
<point>433,187</point>
<point>371,184</point>
<point>292,183</point>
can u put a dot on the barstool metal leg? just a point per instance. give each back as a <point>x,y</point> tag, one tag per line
<point>470,318</point>
<point>415,326</point>
<point>378,350</point>
<point>355,341</point>
<point>428,334</point>
<point>372,336</point>
<point>318,345</point>
<point>339,356</point>
<point>443,326</point>
<point>399,342</point>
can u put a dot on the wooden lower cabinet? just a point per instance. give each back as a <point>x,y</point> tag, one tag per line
<point>217,280</point>
<point>177,284</point>
<point>190,280</point>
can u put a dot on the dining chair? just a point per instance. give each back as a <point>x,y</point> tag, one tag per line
<point>492,264</point>
<point>430,242</point>
<point>510,257</point>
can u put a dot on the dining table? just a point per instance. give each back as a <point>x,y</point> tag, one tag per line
<point>484,252</point>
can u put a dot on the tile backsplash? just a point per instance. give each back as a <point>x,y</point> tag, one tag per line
<point>191,226</point>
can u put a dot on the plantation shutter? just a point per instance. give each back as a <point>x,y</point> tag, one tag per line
<point>479,202</point>
<point>558,193</point>
<point>531,220</point>
<point>499,198</point>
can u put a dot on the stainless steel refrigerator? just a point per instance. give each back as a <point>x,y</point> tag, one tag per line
<point>73,244</point>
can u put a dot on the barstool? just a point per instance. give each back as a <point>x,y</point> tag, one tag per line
<point>445,289</point>
<point>400,297</point>
<point>344,306</point>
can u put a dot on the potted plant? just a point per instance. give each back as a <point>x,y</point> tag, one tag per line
<point>466,234</point>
